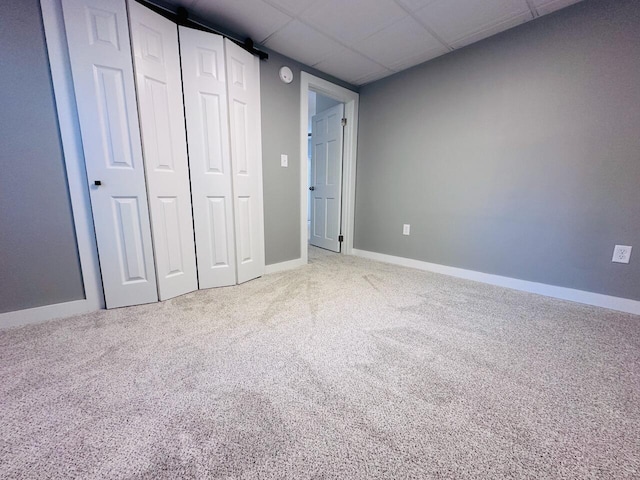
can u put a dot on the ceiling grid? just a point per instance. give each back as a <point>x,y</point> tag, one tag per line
<point>360,41</point>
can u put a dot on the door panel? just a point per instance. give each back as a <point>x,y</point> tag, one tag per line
<point>218,232</point>
<point>170,221</point>
<point>205,102</point>
<point>318,217</point>
<point>97,37</point>
<point>130,245</point>
<point>156,125</point>
<point>112,115</point>
<point>157,66</point>
<point>243,71</point>
<point>239,138</point>
<point>326,177</point>
<point>244,230</point>
<point>212,117</point>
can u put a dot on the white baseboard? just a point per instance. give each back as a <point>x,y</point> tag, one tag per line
<point>46,312</point>
<point>579,296</point>
<point>282,266</point>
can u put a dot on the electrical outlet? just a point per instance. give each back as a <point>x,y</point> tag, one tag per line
<point>406,229</point>
<point>621,254</point>
<point>284,160</point>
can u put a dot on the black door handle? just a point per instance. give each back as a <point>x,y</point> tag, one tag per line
<point>97,183</point>
<point>312,188</point>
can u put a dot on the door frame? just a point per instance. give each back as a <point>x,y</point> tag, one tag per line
<point>351,102</point>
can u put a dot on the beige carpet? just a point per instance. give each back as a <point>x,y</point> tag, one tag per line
<point>345,368</point>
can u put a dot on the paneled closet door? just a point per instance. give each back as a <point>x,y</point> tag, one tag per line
<point>159,88</point>
<point>243,87</point>
<point>205,103</point>
<point>100,55</point>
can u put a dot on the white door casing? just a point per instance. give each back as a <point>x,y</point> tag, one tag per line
<point>102,69</point>
<point>205,102</point>
<point>159,89</point>
<point>243,87</point>
<point>351,101</point>
<point>326,177</point>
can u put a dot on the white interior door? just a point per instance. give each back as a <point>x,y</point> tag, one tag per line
<point>100,55</point>
<point>164,142</point>
<point>205,104</point>
<point>326,177</point>
<point>243,87</point>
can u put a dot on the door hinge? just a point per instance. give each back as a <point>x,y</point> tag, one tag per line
<point>344,122</point>
<point>340,238</point>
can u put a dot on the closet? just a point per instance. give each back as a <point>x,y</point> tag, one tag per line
<point>170,125</point>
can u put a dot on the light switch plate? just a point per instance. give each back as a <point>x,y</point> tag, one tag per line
<point>284,160</point>
<point>621,254</point>
<point>406,229</point>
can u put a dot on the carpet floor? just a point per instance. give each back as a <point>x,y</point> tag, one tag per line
<point>346,368</point>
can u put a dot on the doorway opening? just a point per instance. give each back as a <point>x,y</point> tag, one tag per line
<point>324,161</point>
<point>327,173</point>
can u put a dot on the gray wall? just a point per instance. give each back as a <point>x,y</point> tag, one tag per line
<point>323,103</point>
<point>517,156</point>
<point>39,263</point>
<point>281,134</point>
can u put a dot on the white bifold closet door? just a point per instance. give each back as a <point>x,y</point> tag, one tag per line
<point>102,69</point>
<point>221,84</point>
<point>243,87</point>
<point>164,143</point>
<point>166,223</point>
<point>205,105</point>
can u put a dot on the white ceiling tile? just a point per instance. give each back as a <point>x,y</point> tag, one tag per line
<point>454,20</point>
<point>547,6</point>
<point>414,5</point>
<point>352,20</point>
<point>372,77</point>
<point>493,29</point>
<point>255,19</point>
<point>349,65</point>
<point>417,60</point>
<point>292,7</point>
<point>364,40</point>
<point>396,43</point>
<point>302,43</point>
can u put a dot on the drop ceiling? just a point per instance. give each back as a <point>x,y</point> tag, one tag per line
<point>360,41</point>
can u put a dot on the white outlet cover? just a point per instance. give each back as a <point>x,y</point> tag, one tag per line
<point>621,254</point>
<point>406,229</point>
<point>284,160</point>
